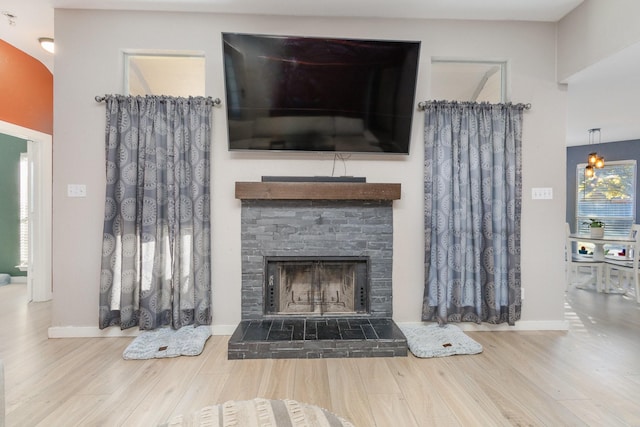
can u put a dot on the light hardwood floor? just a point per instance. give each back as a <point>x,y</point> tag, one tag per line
<point>587,376</point>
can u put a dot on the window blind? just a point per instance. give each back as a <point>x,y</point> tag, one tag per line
<point>610,196</point>
<point>24,209</point>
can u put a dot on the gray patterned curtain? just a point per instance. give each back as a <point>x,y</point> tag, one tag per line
<point>156,243</point>
<point>473,193</point>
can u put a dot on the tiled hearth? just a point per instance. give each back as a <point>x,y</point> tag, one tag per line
<point>316,338</point>
<point>316,220</point>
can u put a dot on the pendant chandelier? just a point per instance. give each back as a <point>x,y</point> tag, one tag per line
<point>594,161</point>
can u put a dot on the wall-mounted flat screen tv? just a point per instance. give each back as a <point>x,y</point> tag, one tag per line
<point>289,93</point>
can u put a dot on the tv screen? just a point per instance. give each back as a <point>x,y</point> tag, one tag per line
<point>291,93</point>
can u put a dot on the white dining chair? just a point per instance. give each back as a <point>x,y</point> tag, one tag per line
<point>626,268</point>
<point>574,261</point>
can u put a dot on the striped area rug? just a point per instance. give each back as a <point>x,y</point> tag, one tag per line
<point>260,413</point>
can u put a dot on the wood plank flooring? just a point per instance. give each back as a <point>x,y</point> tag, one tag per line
<point>589,375</point>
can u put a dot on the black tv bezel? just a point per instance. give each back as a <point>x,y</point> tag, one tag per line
<point>417,44</point>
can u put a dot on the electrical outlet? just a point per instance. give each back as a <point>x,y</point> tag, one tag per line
<point>76,190</point>
<point>542,193</point>
<point>521,294</point>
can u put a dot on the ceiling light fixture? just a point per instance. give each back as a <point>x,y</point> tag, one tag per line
<point>47,44</point>
<point>593,161</point>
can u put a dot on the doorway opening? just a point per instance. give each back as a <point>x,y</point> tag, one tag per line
<point>39,159</point>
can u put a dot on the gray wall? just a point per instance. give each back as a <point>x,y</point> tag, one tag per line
<point>78,157</point>
<point>622,150</point>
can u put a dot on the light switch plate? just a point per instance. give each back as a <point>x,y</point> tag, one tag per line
<point>76,190</point>
<point>542,193</point>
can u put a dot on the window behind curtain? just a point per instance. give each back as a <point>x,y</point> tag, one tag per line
<point>610,196</point>
<point>474,81</point>
<point>175,74</point>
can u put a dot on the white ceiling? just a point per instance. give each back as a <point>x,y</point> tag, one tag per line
<point>611,84</point>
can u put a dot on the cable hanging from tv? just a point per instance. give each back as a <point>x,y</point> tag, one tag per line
<point>422,105</point>
<point>215,102</point>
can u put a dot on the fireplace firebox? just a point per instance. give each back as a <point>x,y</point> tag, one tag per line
<point>316,286</point>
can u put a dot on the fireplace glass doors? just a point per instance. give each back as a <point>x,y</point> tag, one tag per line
<point>316,286</point>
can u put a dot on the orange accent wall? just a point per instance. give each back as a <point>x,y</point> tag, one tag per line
<point>26,90</point>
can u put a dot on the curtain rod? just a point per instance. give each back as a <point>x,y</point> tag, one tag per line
<point>423,104</point>
<point>216,102</point>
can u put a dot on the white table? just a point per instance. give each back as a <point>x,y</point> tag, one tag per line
<point>598,250</point>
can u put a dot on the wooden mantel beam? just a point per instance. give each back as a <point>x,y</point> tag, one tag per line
<point>317,191</point>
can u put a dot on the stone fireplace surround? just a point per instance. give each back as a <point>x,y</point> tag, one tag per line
<point>316,219</point>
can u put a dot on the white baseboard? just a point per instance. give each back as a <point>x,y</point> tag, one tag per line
<point>18,279</point>
<point>523,325</point>
<point>115,332</point>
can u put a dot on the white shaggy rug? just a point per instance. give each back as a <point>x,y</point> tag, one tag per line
<point>432,340</point>
<point>167,342</point>
<point>260,413</point>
